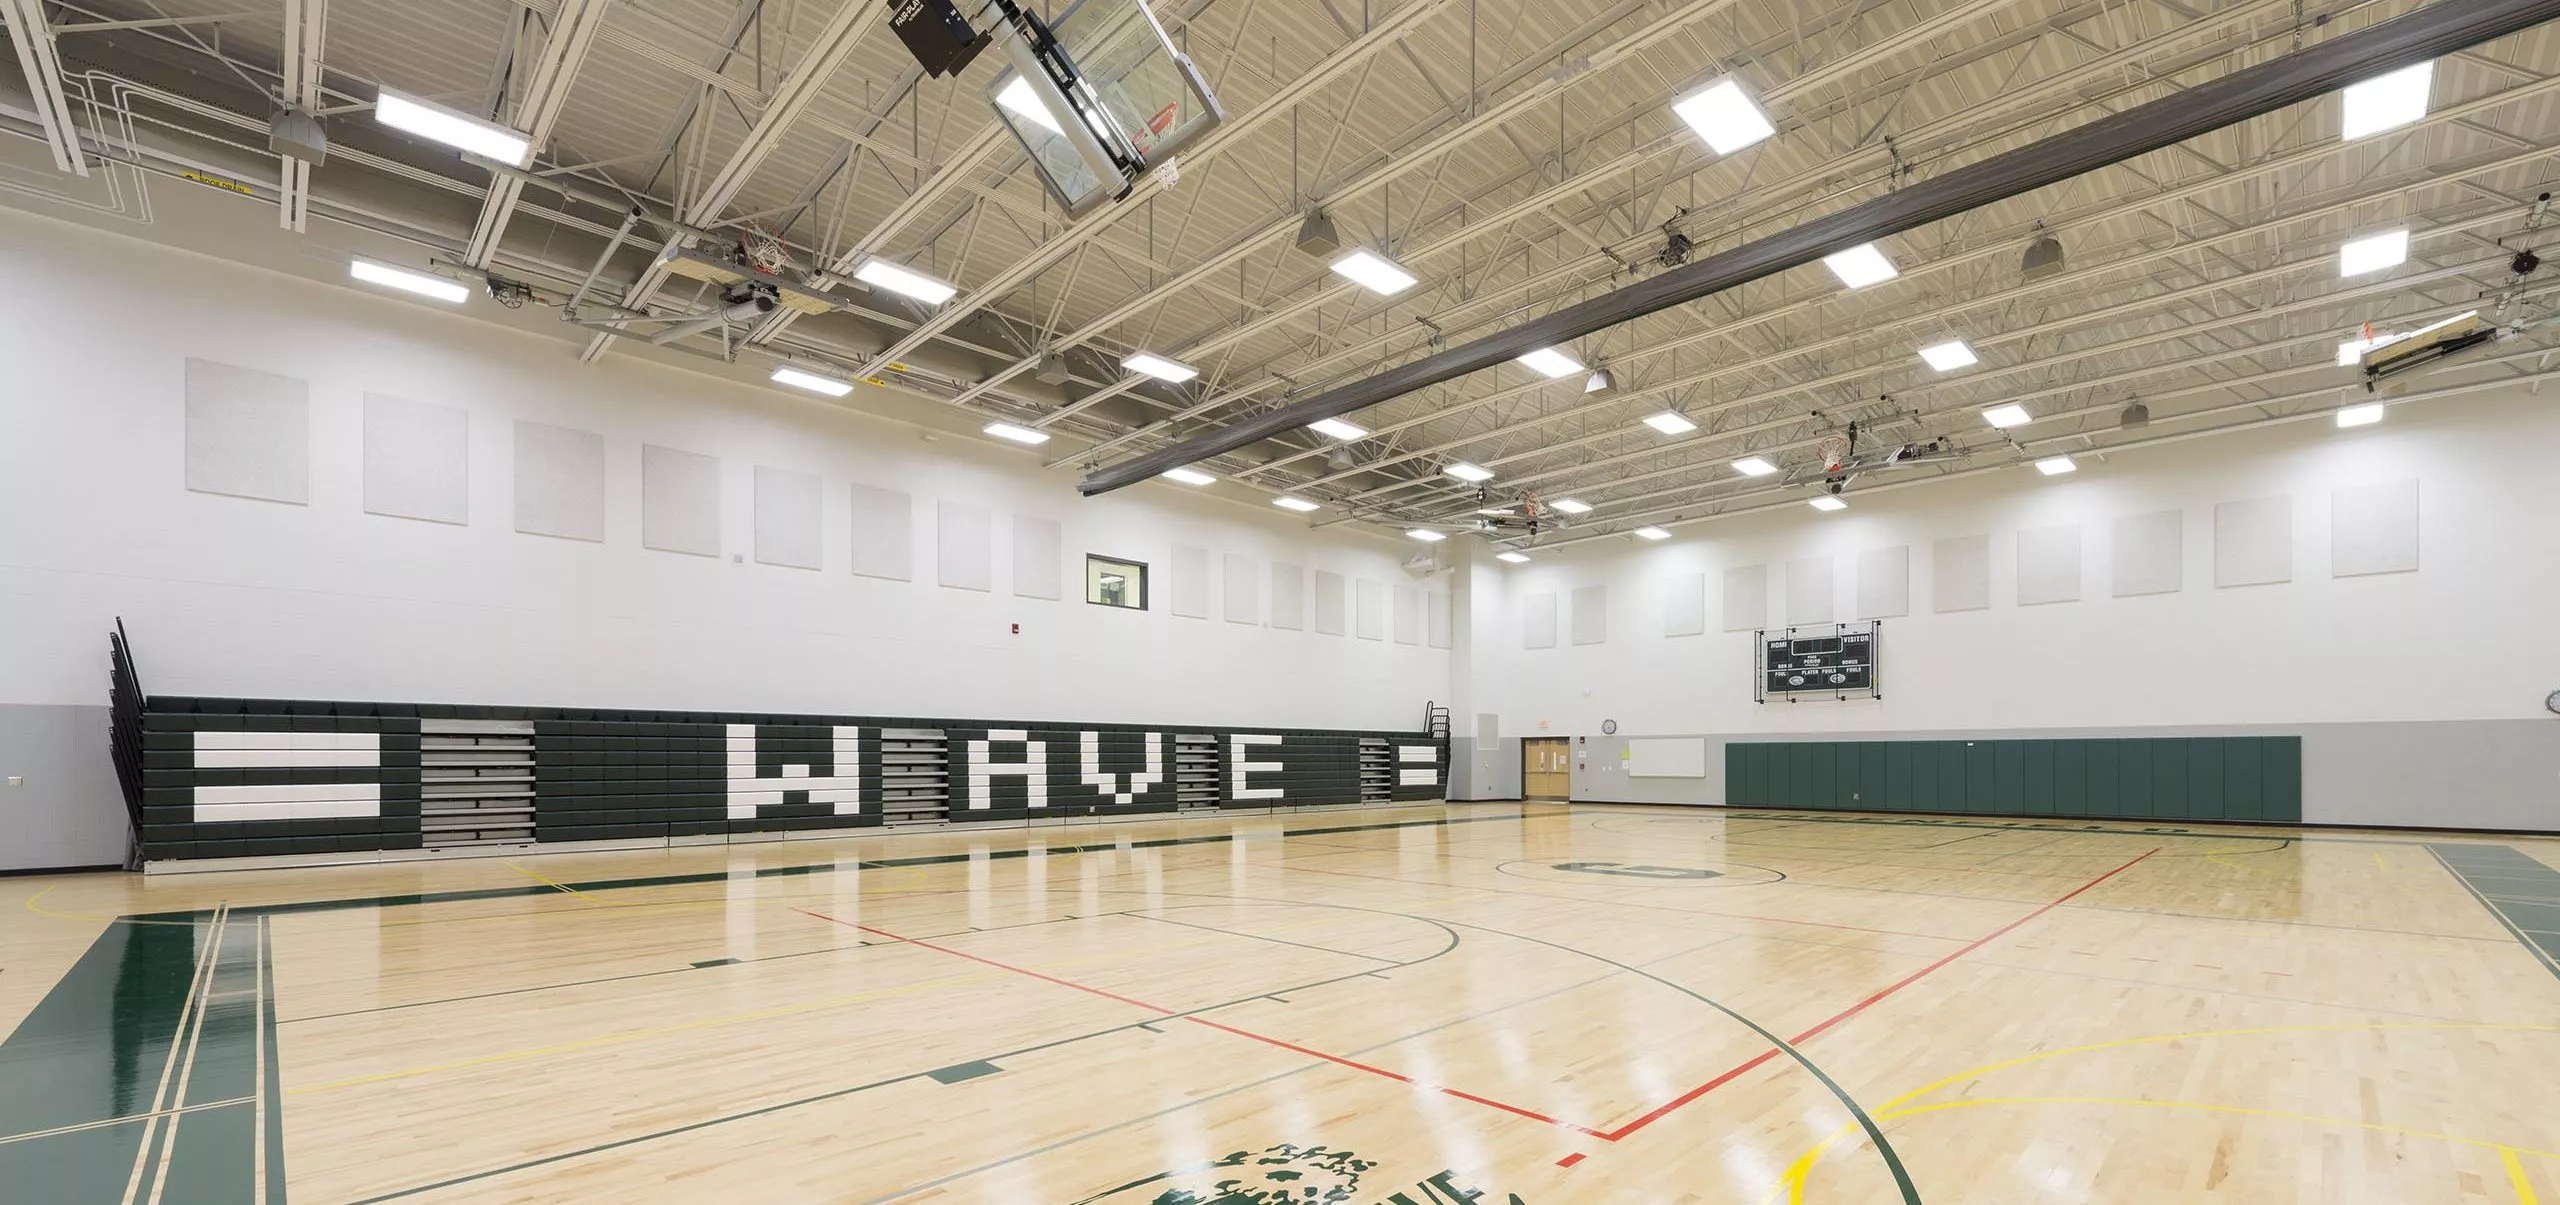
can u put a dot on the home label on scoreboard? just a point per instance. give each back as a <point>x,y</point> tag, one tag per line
<point>1834,659</point>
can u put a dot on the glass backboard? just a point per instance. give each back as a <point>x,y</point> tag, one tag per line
<point>1145,101</point>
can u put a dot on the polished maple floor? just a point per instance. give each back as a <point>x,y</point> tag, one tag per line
<point>1536,1003</point>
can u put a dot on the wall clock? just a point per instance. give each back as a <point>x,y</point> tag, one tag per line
<point>1610,727</point>
<point>2553,702</point>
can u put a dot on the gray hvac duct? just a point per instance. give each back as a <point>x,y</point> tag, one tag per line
<point>2415,37</point>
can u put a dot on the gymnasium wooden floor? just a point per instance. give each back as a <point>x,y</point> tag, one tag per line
<point>1405,1006</point>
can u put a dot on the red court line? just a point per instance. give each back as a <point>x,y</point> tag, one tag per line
<point>1783,920</point>
<point>1861,1006</point>
<point>1265,1039</point>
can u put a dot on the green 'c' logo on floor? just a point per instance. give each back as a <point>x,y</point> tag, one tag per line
<point>1626,870</point>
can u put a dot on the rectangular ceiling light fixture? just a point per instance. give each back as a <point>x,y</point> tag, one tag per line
<point>409,282</point>
<point>1753,466</point>
<point>1190,476</point>
<point>1469,473</point>
<point>1670,422</point>
<point>1020,435</point>
<point>1651,533</point>
<point>2387,102</point>
<point>436,123</point>
<point>1949,356</point>
<point>1861,266</point>
<point>2360,416</point>
<point>1552,363</point>
<point>1569,506</point>
<point>1427,536</point>
<point>1300,505</point>
<point>2373,253</point>
<point>801,379</point>
<point>1724,116</point>
<point>2010,415</point>
<point>1827,503</point>
<point>1150,364</point>
<point>2055,466</point>
<point>1334,428</point>
<point>1374,272</point>
<point>1513,558</point>
<point>904,281</point>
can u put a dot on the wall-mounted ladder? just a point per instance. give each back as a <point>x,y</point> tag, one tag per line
<point>915,776</point>
<point>1377,770</point>
<point>1195,771</point>
<point>475,782</point>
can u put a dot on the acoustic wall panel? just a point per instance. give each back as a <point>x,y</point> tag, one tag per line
<point>884,533</point>
<point>417,460</point>
<point>2253,542</point>
<point>1884,583</point>
<point>679,501</point>
<point>964,547</point>
<point>1684,604</point>
<point>2150,553</point>
<point>1435,615</point>
<point>2373,529</point>
<point>1244,589</point>
<point>1288,597</point>
<point>2049,565</point>
<point>1812,590</point>
<point>1746,598</point>
<point>1538,620</point>
<point>1035,557</point>
<point>248,433</point>
<point>1189,596</point>
<point>788,526</point>
<point>1371,609</point>
<point>1329,604</point>
<point>1960,574</point>
<point>559,482</point>
<point>1408,615</point>
<point>1590,614</point>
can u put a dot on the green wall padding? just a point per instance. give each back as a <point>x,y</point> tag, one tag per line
<point>2247,778</point>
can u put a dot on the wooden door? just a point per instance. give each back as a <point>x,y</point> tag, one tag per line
<point>1545,771</point>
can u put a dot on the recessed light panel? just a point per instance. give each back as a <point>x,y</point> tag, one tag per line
<point>1334,428</point>
<point>1552,362</point>
<point>1427,536</point>
<point>1827,502</point>
<point>1670,422</point>
<point>905,281</point>
<point>1162,369</point>
<point>1569,506</point>
<point>1300,505</point>
<point>407,281</point>
<point>1652,533</point>
<point>1020,435</point>
<point>1949,356</point>
<point>811,381</point>
<point>2011,415</point>
<point>2360,416</point>
<point>1469,473</point>
<point>2387,102</point>
<point>436,123</point>
<point>1514,558</point>
<point>1861,266</point>
<point>1374,272</point>
<point>2389,249</point>
<point>2055,466</point>
<point>1724,117</point>
<point>1753,466</point>
<point>1190,476</point>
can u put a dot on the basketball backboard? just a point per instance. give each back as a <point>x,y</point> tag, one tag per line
<point>1141,99</point>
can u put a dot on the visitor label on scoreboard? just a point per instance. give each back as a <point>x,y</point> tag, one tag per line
<point>1825,662</point>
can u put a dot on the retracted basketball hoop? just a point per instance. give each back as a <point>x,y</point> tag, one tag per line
<point>1098,99</point>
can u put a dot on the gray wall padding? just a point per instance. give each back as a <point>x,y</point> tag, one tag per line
<point>964,546</point>
<point>2373,529</point>
<point>559,477</point>
<point>248,433</point>
<point>1960,574</point>
<point>2253,542</point>
<point>1036,558</point>
<point>417,460</point>
<point>2150,554</point>
<point>884,533</point>
<point>679,501</point>
<point>788,523</point>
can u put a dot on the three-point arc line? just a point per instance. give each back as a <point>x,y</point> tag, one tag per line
<point>1619,1134</point>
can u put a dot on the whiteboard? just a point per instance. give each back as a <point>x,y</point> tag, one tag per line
<point>1674,757</point>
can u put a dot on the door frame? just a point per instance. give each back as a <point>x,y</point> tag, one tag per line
<point>1562,743</point>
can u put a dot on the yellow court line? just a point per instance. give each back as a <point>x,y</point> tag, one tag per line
<point>2233,1110</point>
<point>1792,1181</point>
<point>2515,1176</point>
<point>41,910</point>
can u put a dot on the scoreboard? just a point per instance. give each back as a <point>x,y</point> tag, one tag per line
<point>1827,659</point>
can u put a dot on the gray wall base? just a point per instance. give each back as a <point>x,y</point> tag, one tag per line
<point>69,812</point>
<point>1481,769</point>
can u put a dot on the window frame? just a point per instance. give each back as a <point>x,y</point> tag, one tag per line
<point>1146,584</point>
